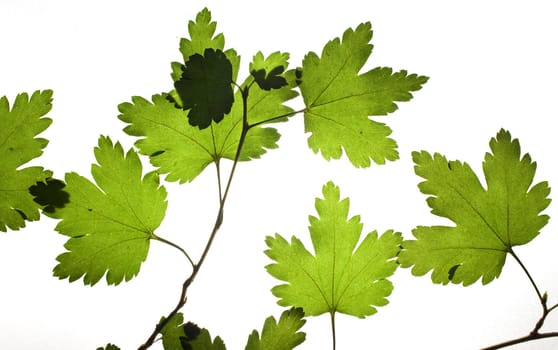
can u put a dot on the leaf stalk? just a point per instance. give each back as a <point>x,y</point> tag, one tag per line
<point>534,334</point>
<point>161,239</point>
<point>333,337</point>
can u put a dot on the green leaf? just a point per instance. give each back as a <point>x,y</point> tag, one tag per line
<point>201,340</point>
<point>340,277</point>
<point>205,88</point>
<point>339,101</point>
<point>188,336</point>
<point>110,223</point>
<point>268,72</point>
<point>488,222</point>
<point>183,151</point>
<point>19,127</point>
<point>172,332</point>
<point>282,335</point>
<point>201,38</point>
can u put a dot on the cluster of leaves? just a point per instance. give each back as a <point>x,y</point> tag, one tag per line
<point>276,335</point>
<point>209,116</point>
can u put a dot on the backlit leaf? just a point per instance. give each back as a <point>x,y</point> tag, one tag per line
<point>488,222</point>
<point>340,276</point>
<point>111,222</point>
<point>19,127</point>
<point>339,100</point>
<point>282,335</point>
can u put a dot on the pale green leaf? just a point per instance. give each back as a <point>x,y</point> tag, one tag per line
<point>282,335</point>
<point>340,277</point>
<point>202,37</point>
<point>339,101</point>
<point>172,332</point>
<point>183,151</point>
<point>488,222</point>
<point>19,127</point>
<point>111,222</point>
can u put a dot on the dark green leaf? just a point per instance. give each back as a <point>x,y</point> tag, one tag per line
<point>50,194</point>
<point>205,88</point>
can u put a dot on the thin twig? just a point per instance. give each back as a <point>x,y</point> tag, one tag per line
<point>534,335</point>
<point>218,221</point>
<point>524,339</point>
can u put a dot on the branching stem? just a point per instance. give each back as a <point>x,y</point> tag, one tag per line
<point>524,339</point>
<point>216,226</point>
<point>534,335</point>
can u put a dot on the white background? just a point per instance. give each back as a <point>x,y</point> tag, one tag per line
<point>491,65</point>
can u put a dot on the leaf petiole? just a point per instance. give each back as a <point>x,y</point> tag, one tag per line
<point>534,334</point>
<point>333,338</point>
<point>216,226</point>
<point>541,298</point>
<point>270,120</point>
<point>161,239</point>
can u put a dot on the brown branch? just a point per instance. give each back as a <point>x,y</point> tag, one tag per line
<point>218,221</point>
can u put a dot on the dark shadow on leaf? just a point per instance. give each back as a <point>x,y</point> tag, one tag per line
<point>22,214</point>
<point>271,80</point>
<point>298,75</point>
<point>155,154</point>
<point>50,194</point>
<point>451,271</point>
<point>191,332</point>
<point>205,88</point>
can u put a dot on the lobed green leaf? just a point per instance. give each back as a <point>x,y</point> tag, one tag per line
<point>488,222</point>
<point>340,277</point>
<point>182,151</point>
<point>339,101</point>
<point>178,335</point>
<point>111,222</point>
<point>268,73</point>
<point>19,127</point>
